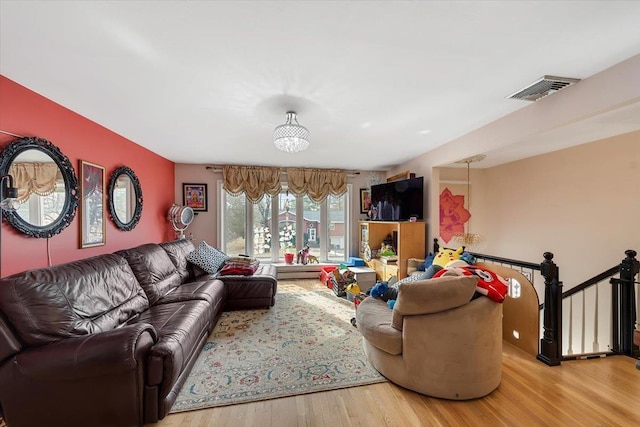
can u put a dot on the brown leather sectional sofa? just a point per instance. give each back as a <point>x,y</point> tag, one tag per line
<point>109,340</point>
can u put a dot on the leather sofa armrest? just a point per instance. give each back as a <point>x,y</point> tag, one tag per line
<point>9,344</point>
<point>93,380</point>
<point>100,354</point>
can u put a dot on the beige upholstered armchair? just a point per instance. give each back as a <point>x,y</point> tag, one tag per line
<point>435,341</point>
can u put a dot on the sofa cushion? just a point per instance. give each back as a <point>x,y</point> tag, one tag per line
<point>373,319</point>
<point>69,300</point>
<point>178,251</point>
<point>181,328</point>
<point>432,296</point>
<point>207,258</point>
<point>207,289</point>
<point>153,268</point>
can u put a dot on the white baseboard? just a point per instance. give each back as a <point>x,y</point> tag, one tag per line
<point>300,271</point>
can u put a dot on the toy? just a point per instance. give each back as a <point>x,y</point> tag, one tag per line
<point>446,255</point>
<point>468,258</point>
<point>353,288</point>
<point>348,276</point>
<point>303,255</point>
<point>386,250</point>
<point>312,259</point>
<point>379,289</point>
<point>489,284</point>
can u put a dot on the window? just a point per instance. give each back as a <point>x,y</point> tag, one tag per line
<point>234,220</point>
<point>337,230</point>
<point>284,223</point>
<point>43,210</point>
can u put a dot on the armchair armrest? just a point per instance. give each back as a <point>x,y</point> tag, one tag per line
<point>432,296</point>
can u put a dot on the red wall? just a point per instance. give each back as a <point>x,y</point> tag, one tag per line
<point>24,112</point>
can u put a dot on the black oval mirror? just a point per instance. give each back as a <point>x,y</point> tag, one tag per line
<point>47,186</point>
<point>125,198</point>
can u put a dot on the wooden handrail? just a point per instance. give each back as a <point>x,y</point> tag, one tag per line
<point>590,282</point>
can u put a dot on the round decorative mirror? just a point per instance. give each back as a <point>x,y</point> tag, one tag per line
<point>125,198</point>
<point>47,186</point>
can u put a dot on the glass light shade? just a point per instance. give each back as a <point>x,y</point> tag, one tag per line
<point>8,194</point>
<point>10,204</point>
<point>291,137</point>
<point>472,242</point>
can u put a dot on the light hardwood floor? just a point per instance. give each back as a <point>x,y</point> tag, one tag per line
<point>597,392</point>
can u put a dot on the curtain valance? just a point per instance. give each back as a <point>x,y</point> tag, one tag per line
<point>30,178</point>
<point>253,181</point>
<point>317,183</point>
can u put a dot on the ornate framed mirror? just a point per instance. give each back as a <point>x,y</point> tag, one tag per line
<point>125,198</point>
<point>47,186</point>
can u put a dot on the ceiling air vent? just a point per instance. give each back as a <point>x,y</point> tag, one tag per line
<point>543,87</point>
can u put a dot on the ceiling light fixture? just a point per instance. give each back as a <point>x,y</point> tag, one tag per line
<point>472,242</point>
<point>291,137</point>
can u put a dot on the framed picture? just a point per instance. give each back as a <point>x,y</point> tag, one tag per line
<point>365,200</point>
<point>92,205</point>
<point>195,196</point>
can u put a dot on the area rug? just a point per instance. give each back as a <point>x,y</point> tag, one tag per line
<point>304,344</point>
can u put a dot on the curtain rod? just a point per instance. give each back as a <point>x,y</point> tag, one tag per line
<point>350,174</point>
<point>11,134</point>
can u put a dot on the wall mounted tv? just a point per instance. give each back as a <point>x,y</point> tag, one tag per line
<point>397,201</point>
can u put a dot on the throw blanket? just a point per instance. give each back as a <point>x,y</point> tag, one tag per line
<point>239,266</point>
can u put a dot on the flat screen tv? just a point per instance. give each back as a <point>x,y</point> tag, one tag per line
<point>397,201</point>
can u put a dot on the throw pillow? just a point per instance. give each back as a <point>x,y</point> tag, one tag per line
<point>239,268</point>
<point>207,258</point>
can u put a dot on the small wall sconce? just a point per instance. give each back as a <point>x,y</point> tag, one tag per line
<point>8,202</point>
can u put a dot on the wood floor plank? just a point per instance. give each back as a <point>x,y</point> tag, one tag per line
<point>595,392</point>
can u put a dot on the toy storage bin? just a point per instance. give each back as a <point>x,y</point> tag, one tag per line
<point>339,287</point>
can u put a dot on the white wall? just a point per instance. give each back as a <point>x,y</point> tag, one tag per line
<point>204,226</point>
<point>581,203</point>
<point>606,91</point>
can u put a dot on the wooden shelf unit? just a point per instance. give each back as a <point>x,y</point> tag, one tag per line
<point>410,244</point>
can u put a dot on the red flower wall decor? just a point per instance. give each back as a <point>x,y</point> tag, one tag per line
<point>453,215</point>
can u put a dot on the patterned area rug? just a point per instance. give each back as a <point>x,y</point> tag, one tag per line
<point>304,344</point>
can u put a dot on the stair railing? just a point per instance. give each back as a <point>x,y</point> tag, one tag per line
<point>589,299</point>
<point>549,348</point>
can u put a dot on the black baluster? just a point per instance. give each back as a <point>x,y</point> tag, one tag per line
<point>551,342</point>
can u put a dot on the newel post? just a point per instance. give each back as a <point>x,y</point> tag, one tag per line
<point>551,342</point>
<point>624,304</point>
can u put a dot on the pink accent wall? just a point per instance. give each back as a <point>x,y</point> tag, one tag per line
<point>24,112</point>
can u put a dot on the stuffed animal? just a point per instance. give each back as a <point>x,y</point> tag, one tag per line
<point>312,259</point>
<point>446,255</point>
<point>378,289</point>
<point>489,284</point>
<point>303,255</point>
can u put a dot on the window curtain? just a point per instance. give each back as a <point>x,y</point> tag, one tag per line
<point>317,183</point>
<point>253,181</point>
<point>30,178</point>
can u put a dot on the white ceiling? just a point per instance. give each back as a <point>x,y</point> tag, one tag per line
<point>377,83</point>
